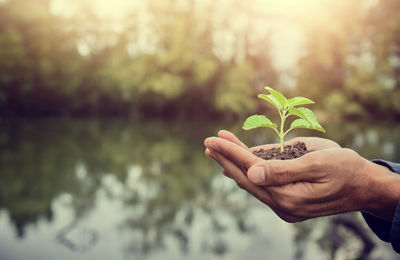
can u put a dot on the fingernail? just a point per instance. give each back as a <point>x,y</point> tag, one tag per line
<point>213,147</point>
<point>212,152</point>
<point>206,141</point>
<point>210,144</point>
<point>257,175</point>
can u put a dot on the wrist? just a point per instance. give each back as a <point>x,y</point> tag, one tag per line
<point>382,191</point>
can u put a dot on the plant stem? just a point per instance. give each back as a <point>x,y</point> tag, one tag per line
<point>282,134</point>
<point>281,137</point>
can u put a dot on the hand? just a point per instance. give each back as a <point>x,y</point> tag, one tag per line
<point>327,181</point>
<point>312,143</point>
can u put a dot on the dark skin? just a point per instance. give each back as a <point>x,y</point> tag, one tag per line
<point>327,181</point>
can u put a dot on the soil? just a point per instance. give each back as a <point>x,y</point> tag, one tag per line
<point>289,152</point>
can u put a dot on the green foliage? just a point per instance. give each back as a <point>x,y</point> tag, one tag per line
<point>352,65</point>
<point>43,69</point>
<point>256,121</point>
<point>194,60</point>
<point>286,107</point>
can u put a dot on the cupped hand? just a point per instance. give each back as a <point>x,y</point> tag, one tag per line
<point>312,143</point>
<point>327,181</point>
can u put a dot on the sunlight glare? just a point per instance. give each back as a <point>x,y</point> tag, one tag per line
<point>120,8</point>
<point>288,6</point>
<point>115,8</point>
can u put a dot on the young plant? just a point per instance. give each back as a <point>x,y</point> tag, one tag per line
<point>286,107</point>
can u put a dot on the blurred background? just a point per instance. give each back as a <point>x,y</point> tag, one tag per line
<point>104,106</point>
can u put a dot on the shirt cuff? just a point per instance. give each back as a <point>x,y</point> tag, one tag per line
<point>386,230</point>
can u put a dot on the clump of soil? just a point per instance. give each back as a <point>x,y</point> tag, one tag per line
<point>289,152</point>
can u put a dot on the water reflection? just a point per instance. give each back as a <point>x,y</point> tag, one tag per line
<point>100,189</point>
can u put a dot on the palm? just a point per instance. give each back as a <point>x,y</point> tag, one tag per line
<point>312,143</point>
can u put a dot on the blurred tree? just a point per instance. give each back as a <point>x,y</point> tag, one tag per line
<point>175,58</point>
<point>352,63</point>
<point>52,65</point>
<point>375,67</point>
<point>39,64</point>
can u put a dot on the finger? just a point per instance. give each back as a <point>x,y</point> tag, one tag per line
<point>313,143</point>
<point>232,138</point>
<point>227,174</point>
<point>280,172</point>
<point>317,143</point>
<point>209,153</point>
<point>242,181</point>
<point>238,155</point>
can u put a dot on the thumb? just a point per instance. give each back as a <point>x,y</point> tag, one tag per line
<point>278,172</point>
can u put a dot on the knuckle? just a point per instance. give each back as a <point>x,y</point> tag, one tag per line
<point>250,162</point>
<point>353,158</point>
<point>348,150</point>
<point>291,206</point>
<point>280,173</point>
<point>227,174</point>
<point>288,206</point>
<point>350,154</point>
<point>263,197</point>
<point>315,165</point>
<point>290,218</point>
<point>240,183</point>
<point>311,163</point>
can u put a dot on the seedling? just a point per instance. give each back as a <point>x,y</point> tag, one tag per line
<point>286,107</point>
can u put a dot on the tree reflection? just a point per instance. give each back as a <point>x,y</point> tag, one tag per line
<point>51,157</point>
<point>171,190</point>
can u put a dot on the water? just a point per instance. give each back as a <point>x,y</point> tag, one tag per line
<point>115,189</point>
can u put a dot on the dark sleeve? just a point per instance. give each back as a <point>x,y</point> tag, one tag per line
<point>386,230</point>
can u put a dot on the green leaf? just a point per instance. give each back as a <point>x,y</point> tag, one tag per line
<point>278,95</point>
<point>271,99</point>
<point>301,123</point>
<point>296,101</point>
<point>307,115</point>
<point>255,121</point>
<point>304,113</point>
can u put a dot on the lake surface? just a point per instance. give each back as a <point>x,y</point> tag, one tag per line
<point>116,189</point>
